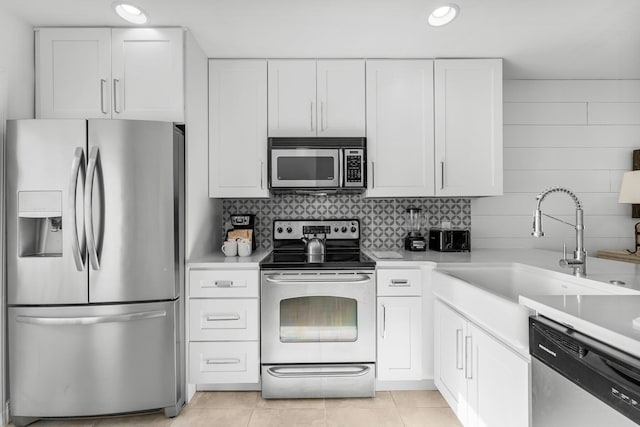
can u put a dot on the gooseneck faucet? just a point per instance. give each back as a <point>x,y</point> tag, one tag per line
<point>579,261</point>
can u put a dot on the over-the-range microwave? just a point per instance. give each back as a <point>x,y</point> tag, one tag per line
<point>315,165</point>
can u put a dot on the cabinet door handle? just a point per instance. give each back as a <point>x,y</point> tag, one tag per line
<point>458,348</point>
<point>322,126</point>
<point>373,175</point>
<point>261,175</point>
<point>442,175</point>
<point>468,357</point>
<point>311,114</point>
<point>400,283</point>
<point>115,96</point>
<point>384,321</point>
<point>103,109</point>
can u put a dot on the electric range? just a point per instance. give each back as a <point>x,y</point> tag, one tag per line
<point>317,317</point>
<point>342,240</point>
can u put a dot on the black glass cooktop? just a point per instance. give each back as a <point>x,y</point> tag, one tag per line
<point>332,260</point>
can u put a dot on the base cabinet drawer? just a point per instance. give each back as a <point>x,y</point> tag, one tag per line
<point>224,362</point>
<point>224,283</point>
<point>224,320</point>
<point>399,282</point>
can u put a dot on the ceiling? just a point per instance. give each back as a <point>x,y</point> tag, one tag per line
<point>557,39</point>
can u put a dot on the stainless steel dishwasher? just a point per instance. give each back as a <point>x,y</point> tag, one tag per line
<point>580,381</point>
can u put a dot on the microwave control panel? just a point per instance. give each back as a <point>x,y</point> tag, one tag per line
<point>354,168</point>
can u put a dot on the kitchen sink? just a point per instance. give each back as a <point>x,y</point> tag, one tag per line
<point>488,294</point>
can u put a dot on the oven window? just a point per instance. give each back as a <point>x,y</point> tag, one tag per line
<point>318,319</point>
<point>306,168</point>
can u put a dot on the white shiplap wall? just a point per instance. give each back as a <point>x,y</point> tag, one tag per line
<point>578,134</point>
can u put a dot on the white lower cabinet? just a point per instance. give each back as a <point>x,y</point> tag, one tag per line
<point>399,329</point>
<point>485,383</point>
<point>224,327</point>
<point>224,362</point>
<point>399,338</point>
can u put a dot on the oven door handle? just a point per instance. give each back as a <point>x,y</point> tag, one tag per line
<point>350,279</point>
<point>317,371</point>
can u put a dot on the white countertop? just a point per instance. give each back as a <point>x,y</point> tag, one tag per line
<point>219,260</point>
<point>608,318</point>
<point>601,270</point>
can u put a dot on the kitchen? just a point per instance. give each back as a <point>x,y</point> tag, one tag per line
<point>572,123</point>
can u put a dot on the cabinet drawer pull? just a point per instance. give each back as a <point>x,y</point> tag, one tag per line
<point>468,356</point>
<point>222,361</point>
<point>222,317</point>
<point>400,283</point>
<point>223,283</point>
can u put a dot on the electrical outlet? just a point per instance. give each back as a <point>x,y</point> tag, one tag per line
<point>445,224</point>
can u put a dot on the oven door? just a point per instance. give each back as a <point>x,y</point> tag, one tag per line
<point>305,168</point>
<point>317,317</point>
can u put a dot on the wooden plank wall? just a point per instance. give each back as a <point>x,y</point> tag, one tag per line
<point>574,133</point>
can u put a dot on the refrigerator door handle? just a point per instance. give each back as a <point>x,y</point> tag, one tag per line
<point>78,244</point>
<point>91,320</point>
<point>88,208</point>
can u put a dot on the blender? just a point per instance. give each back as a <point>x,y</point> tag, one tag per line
<point>415,221</point>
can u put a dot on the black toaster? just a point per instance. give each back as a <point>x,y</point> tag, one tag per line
<point>449,240</point>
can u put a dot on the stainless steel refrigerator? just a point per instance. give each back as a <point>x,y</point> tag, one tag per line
<point>94,267</point>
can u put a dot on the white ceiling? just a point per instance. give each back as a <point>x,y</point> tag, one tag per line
<point>595,39</point>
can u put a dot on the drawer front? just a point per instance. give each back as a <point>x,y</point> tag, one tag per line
<point>224,362</point>
<point>224,283</point>
<point>66,360</point>
<point>399,282</point>
<point>223,319</point>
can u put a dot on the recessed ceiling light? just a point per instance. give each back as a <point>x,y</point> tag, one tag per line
<point>443,15</point>
<point>130,13</point>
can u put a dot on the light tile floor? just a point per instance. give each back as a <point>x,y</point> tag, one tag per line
<point>248,409</point>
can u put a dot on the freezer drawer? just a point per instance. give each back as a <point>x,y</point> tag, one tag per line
<point>89,360</point>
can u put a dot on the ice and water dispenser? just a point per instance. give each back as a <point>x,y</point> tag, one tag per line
<point>40,223</point>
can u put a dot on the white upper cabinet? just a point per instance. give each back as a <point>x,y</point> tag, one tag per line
<point>147,71</point>
<point>73,73</point>
<point>316,98</point>
<point>125,73</point>
<point>238,128</point>
<point>468,127</point>
<point>400,128</point>
<point>292,98</point>
<point>341,98</point>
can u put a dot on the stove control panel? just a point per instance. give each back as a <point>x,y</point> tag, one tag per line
<point>331,229</point>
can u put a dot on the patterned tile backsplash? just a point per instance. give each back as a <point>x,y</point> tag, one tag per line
<point>382,220</point>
